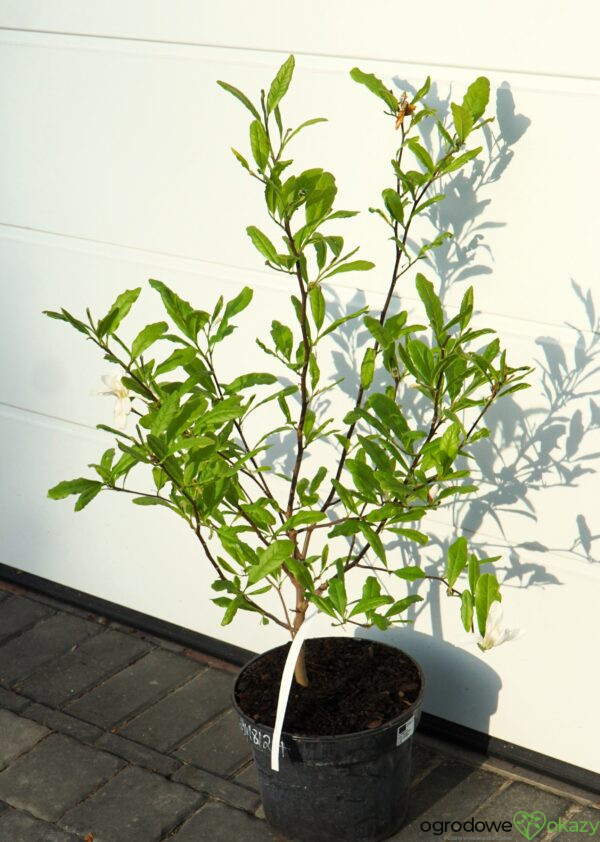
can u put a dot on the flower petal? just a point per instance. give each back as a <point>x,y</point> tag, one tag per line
<point>111,381</point>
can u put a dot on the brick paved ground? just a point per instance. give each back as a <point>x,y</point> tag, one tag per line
<point>110,735</point>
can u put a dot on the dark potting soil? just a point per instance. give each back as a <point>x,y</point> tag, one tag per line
<point>355,685</point>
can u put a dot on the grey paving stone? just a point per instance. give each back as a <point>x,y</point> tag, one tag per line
<point>220,747</point>
<point>63,723</point>
<point>88,664</point>
<point>592,828</point>
<point>18,613</point>
<point>48,639</point>
<point>16,826</point>
<point>17,735</point>
<point>231,793</point>
<point>219,823</point>
<point>54,776</point>
<point>182,712</point>
<point>423,759</point>
<point>122,696</point>
<point>138,754</point>
<point>450,792</point>
<point>135,806</point>
<point>521,796</point>
<point>12,701</point>
<point>248,777</point>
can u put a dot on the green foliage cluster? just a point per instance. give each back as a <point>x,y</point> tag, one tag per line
<point>190,425</point>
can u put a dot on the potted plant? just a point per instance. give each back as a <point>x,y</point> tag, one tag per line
<point>315,537</point>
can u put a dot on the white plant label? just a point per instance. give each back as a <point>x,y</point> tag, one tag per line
<point>405,731</point>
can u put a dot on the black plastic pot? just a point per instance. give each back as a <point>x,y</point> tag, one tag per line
<point>347,788</point>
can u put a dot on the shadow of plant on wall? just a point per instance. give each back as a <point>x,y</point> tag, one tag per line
<point>530,449</point>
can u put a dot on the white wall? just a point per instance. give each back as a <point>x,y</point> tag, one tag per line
<point>116,167</point>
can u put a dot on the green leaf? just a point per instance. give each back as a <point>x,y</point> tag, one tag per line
<point>367,369</point>
<point>389,413</point>
<point>263,244</point>
<point>121,306</point>
<point>376,87</point>
<point>317,306</point>
<point>393,203</point>
<point>422,359</point>
<point>477,97</point>
<point>342,320</point>
<point>421,154</point>
<point>373,540</point>
<point>457,560</point>
<point>433,305</point>
<point>345,528</point>
<point>410,573</point>
<point>87,496</point>
<point>516,388</point>
<point>302,519</point>
<point>165,414</point>
<point>459,162</point>
<point>337,594</point>
<point>466,308</point>
<point>323,604</point>
<point>305,125</point>
<point>487,591</point>
<point>352,266</point>
<point>371,597</point>
<point>474,572</point>
<point>364,479</point>
<point>463,121</point>
<point>259,143</point>
<point>180,311</point>
<point>65,316</point>
<point>270,559</point>
<point>402,604</point>
<point>241,96</point>
<point>449,444</point>
<point>300,571</point>
<point>423,90</point>
<point>413,534</point>
<point>237,304</point>
<point>378,331</point>
<point>283,338</point>
<point>315,373</point>
<point>456,489</point>
<point>379,458</point>
<point>280,84</point>
<point>246,381</point>
<point>147,337</point>
<point>179,357</point>
<point>152,501</point>
<point>319,200</point>
<point>342,214</point>
<point>432,201</point>
<point>345,496</point>
<point>73,486</point>
<point>466,610</point>
<point>241,159</point>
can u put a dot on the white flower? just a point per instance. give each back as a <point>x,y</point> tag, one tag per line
<point>123,405</point>
<point>494,633</point>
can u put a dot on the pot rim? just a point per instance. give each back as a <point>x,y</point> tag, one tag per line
<point>413,710</point>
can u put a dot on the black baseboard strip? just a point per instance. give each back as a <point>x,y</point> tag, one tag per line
<point>436,726</point>
<point>128,616</point>
<point>481,743</point>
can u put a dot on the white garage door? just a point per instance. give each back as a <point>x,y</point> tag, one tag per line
<point>116,167</point>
